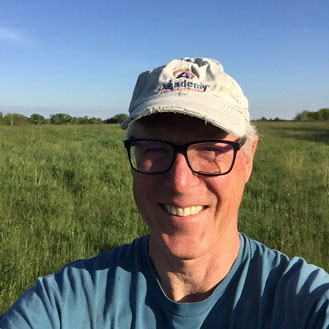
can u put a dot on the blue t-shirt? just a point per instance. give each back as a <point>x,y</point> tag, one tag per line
<point>264,289</point>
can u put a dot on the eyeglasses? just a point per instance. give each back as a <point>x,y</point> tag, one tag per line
<point>207,157</point>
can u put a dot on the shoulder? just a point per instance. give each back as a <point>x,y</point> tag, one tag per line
<point>78,291</point>
<point>271,260</point>
<point>122,257</point>
<point>288,290</point>
<point>275,259</point>
<point>290,276</point>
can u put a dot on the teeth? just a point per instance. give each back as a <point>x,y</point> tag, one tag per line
<point>183,211</point>
<point>172,210</point>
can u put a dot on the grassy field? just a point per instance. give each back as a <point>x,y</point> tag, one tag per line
<point>65,193</point>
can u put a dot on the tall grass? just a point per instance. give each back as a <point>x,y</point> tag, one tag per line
<point>286,204</point>
<point>65,193</point>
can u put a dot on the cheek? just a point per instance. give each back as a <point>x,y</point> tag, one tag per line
<point>229,189</point>
<point>142,188</point>
<point>143,182</point>
<point>238,181</point>
<point>138,190</point>
<point>240,167</point>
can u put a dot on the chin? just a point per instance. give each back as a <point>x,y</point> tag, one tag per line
<point>182,246</point>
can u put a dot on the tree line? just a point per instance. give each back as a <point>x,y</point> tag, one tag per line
<point>56,119</point>
<point>64,119</point>
<point>321,115</point>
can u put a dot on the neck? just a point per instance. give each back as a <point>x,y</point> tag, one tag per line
<point>193,280</point>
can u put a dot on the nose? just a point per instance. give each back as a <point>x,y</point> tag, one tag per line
<point>180,177</point>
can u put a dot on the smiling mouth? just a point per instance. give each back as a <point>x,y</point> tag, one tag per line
<point>182,212</point>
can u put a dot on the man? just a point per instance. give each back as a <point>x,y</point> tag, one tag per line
<point>191,149</point>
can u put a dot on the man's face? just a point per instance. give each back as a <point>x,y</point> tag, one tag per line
<point>212,202</point>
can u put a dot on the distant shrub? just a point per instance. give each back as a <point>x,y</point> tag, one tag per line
<point>94,120</point>
<point>60,118</point>
<point>118,118</point>
<point>37,119</point>
<point>321,115</point>
<point>14,119</point>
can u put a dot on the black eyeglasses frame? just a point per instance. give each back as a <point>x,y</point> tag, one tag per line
<point>182,148</point>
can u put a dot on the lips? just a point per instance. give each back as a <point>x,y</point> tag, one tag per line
<point>182,212</point>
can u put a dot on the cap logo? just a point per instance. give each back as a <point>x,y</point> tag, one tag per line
<point>179,85</point>
<point>183,74</point>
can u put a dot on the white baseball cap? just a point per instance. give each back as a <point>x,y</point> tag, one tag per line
<point>197,87</point>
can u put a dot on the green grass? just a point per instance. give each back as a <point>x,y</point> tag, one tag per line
<point>65,193</point>
<point>286,204</point>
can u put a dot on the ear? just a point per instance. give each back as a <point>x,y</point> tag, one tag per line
<point>250,158</point>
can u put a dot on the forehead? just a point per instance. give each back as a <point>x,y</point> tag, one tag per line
<point>175,127</point>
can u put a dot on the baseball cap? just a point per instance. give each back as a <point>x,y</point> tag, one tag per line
<point>197,87</point>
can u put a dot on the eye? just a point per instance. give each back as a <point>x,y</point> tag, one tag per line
<point>211,151</point>
<point>151,147</point>
<point>151,150</point>
<point>154,149</point>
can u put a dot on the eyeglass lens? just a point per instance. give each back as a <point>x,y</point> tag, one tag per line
<point>204,157</point>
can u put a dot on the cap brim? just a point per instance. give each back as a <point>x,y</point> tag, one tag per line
<point>223,116</point>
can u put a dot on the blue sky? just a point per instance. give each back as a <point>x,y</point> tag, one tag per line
<point>83,57</point>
